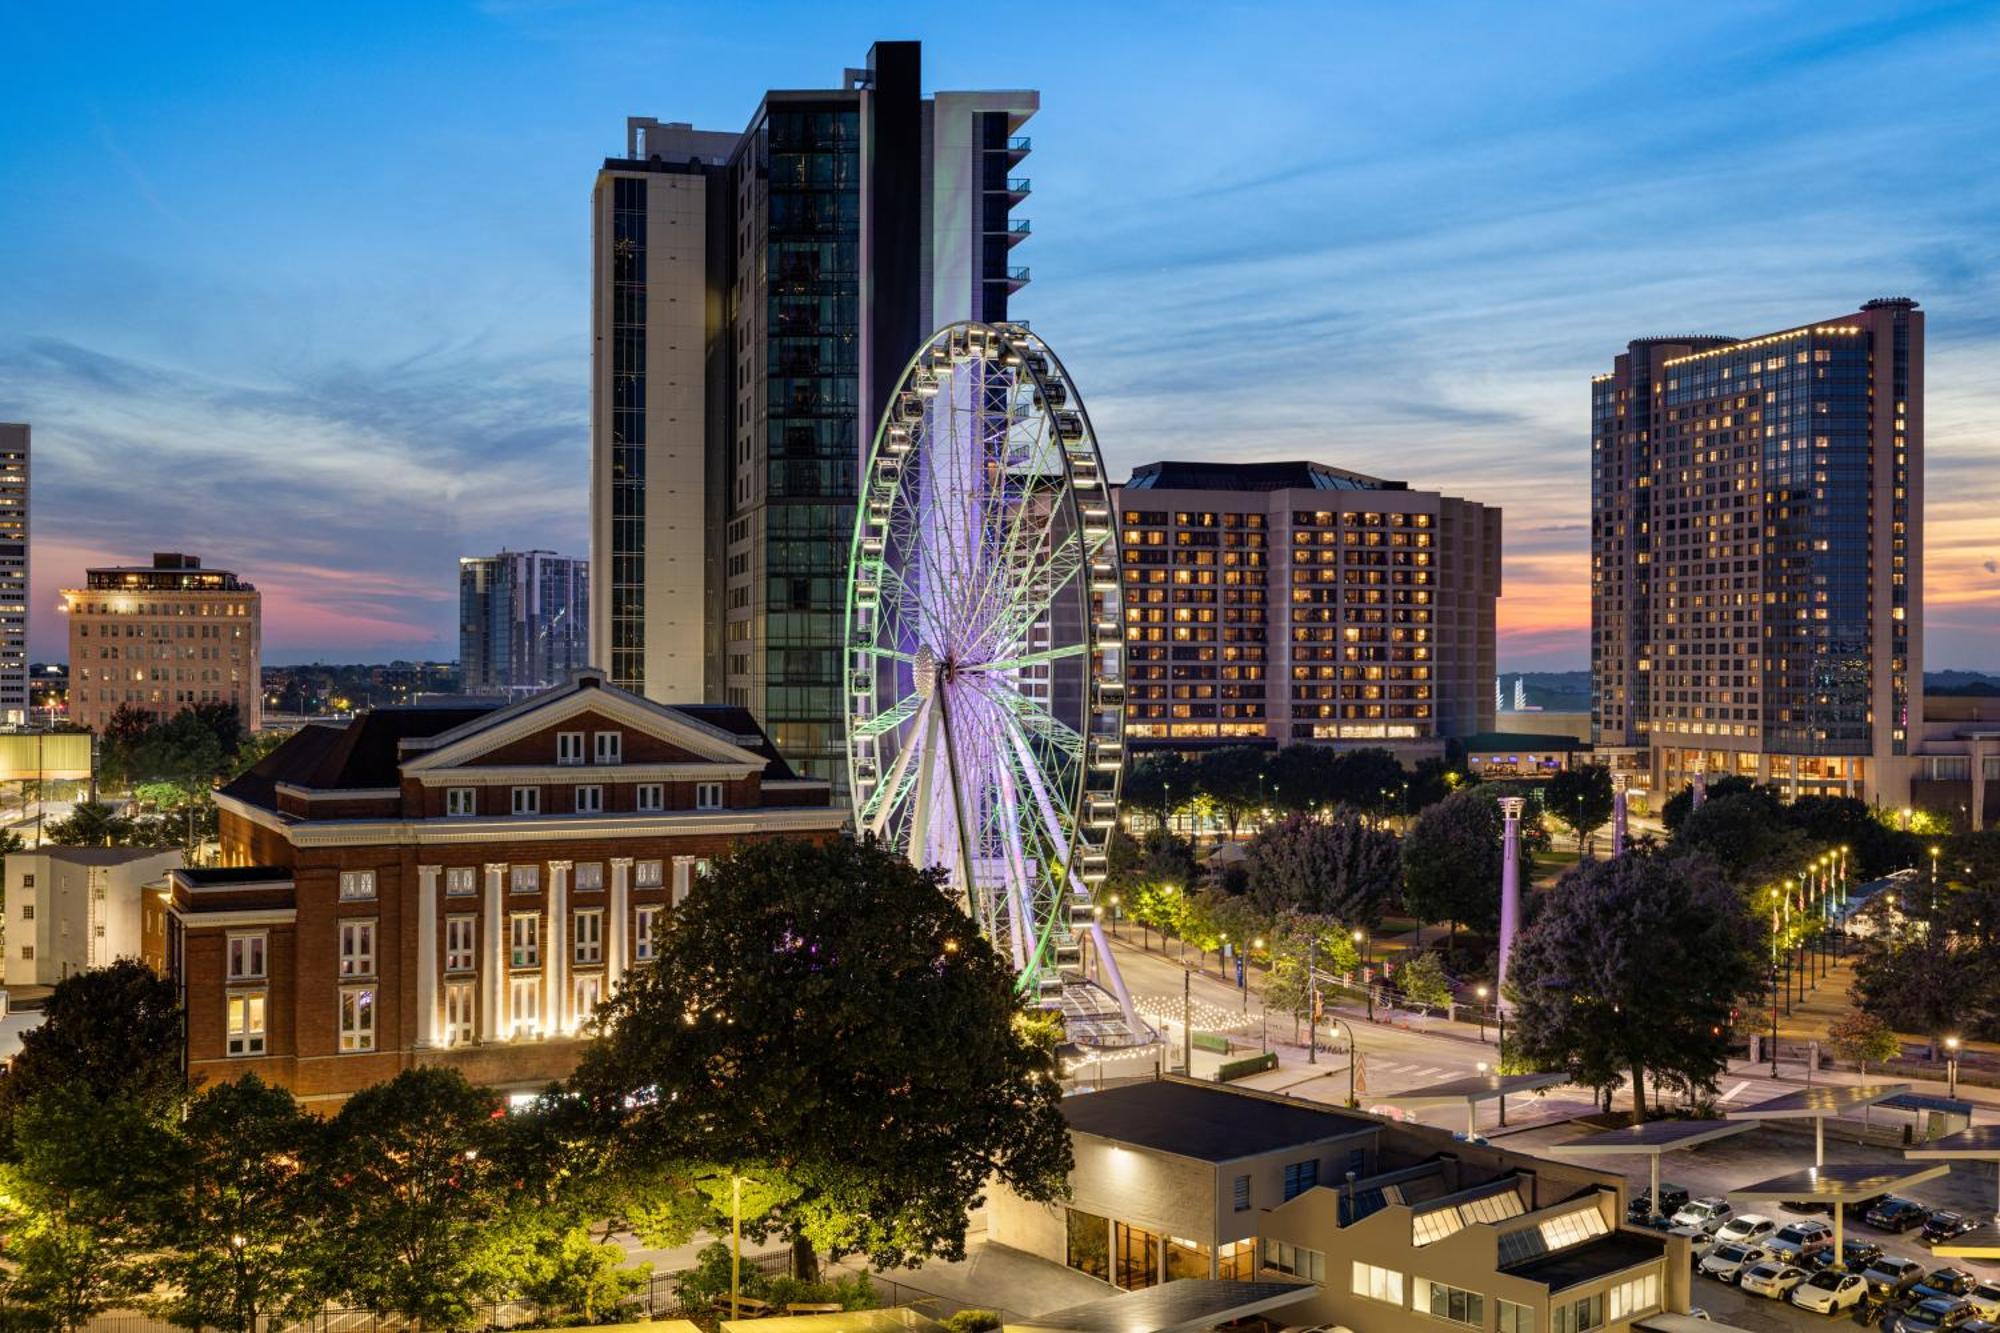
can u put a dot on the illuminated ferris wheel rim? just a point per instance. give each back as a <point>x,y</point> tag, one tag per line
<point>985,643</point>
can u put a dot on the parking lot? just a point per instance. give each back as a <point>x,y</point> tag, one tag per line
<point>1764,1152</point>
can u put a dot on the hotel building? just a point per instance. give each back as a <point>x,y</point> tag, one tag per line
<point>163,637</point>
<point>459,885</point>
<point>523,621</point>
<point>755,296</point>
<point>14,700</point>
<point>1757,555</point>
<point>1282,602</point>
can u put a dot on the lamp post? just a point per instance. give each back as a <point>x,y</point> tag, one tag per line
<point>1934,857</point>
<point>1481,993</point>
<point>1353,1054</point>
<point>1510,882</point>
<point>1774,983</point>
<point>1951,1066</point>
<point>1367,986</point>
<point>1312,999</point>
<point>1115,900</point>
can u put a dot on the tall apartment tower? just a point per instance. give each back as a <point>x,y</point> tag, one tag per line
<point>14,700</point>
<point>1757,554</point>
<point>1284,602</point>
<point>164,637</point>
<point>523,621</point>
<point>755,297</point>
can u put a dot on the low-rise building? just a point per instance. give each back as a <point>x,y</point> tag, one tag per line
<point>162,637</point>
<point>460,884</point>
<point>70,909</point>
<point>1397,1225</point>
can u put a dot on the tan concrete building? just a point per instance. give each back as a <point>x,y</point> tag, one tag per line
<point>163,637</point>
<point>70,909</point>
<point>1284,602</point>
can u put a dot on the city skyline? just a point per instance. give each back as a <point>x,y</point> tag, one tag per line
<point>334,359</point>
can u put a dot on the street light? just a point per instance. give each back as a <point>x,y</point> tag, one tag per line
<point>1481,993</point>
<point>1951,1066</point>
<point>1367,986</point>
<point>1934,857</point>
<point>1114,915</point>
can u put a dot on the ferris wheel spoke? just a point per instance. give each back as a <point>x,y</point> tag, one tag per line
<point>1041,658</point>
<point>899,712</point>
<point>1053,579</point>
<point>1033,716</point>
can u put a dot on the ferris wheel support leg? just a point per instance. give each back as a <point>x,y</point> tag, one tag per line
<point>976,905</point>
<point>1107,967</point>
<point>920,815</point>
<point>902,765</point>
<point>1018,891</point>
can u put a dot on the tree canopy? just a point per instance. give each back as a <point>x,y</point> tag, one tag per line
<point>1340,869</point>
<point>1581,797</point>
<point>108,1033</point>
<point>1451,862</point>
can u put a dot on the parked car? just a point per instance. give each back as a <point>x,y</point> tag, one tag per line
<point>1708,1214</point>
<point>1889,1277</point>
<point>1745,1227</point>
<point>1798,1241</point>
<point>1855,1255</point>
<point>1726,1262</point>
<point>1951,1283</point>
<point>1932,1316</point>
<point>1896,1214</point>
<point>1642,1210</point>
<point>1830,1293</point>
<point>1985,1298</point>
<point>1944,1225</point>
<point>1773,1278</point>
<point>1977,1324</point>
<point>1700,1240</point>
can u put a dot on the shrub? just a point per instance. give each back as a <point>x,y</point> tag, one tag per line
<point>972,1321</point>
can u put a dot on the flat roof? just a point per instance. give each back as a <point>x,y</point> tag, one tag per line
<point>1666,1321</point>
<point>1827,1099</point>
<point>1978,1243</point>
<point>1478,1088</point>
<point>1924,1101</point>
<point>1842,1182</point>
<point>897,1319</point>
<point>1205,1122</point>
<point>1973,1143</point>
<point>1184,1304</point>
<point>1653,1137</point>
<point>1591,1260</point>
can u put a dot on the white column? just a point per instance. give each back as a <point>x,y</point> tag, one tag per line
<point>683,877</point>
<point>1618,823</point>
<point>427,955</point>
<point>615,922</point>
<point>1510,885</point>
<point>493,1013</point>
<point>555,963</point>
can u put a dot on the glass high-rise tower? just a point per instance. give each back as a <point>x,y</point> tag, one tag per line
<point>755,298</point>
<point>1757,554</point>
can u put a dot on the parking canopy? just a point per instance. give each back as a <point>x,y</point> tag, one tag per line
<point>1828,1101</point>
<point>1180,1306</point>
<point>1651,1139</point>
<point>1978,1143</point>
<point>1469,1092</point>
<point>1837,1186</point>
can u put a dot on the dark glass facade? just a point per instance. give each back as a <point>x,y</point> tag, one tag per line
<point>627,570</point>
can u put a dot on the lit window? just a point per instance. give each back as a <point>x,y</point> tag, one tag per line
<point>642,936</point>
<point>1376,1283</point>
<point>569,747</point>
<point>589,937</point>
<point>246,956</point>
<point>357,884</point>
<point>610,747</point>
<point>357,1018</point>
<point>524,939</point>
<point>461,801</point>
<point>245,1030</point>
<point>646,875</point>
<point>525,1005</point>
<point>461,934</point>
<point>708,795</point>
<point>461,881</point>
<point>589,994</point>
<point>357,948</point>
<point>590,877</point>
<point>524,879</point>
<point>459,1010</point>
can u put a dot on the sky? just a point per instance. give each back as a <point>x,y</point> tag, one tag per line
<point>303,288</point>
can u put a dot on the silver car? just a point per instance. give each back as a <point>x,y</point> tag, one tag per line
<point>1728,1260</point>
<point>1707,1214</point>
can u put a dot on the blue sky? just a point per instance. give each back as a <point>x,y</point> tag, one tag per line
<point>303,288</point>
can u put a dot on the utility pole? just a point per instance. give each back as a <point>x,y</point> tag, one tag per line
<point>1187,1023</point>
<point>1312,1000</point>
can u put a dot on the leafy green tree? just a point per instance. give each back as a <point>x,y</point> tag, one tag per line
<point>1340,868</point>
<point>1303,947</point>
<point>1874,849</point>
<point>1304,777</point>
<point>1634,964</point>
<point>81,1202</point>
<point>1157,856</point>
<point>1860,1036</point>
<point>418,1220</point>
<point>1678,806</point>
<point>108,1033</point>
<point>1582,798</point>
<point>90,824</point>
<point>1926,981</point>
<point>1423,982</point>
<point>1370,779</point>
<point>1233,777</point>
<point>1451,862</point>
<point>1158,784</point>
<point>825,1016</point>
<point>1745,833</point>
<point>1214,918</point>
<point>256,747</point>
<point>243,1224</point>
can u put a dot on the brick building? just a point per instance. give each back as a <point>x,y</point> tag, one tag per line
<point>460,884</point>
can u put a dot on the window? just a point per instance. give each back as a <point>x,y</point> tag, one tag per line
<point>589,800</point>
<point>569,747</point>
<point>524,879</point>
<point>590,937</point>
<point>1242,1194</point>
<point>357,884</point>
<point>27,953</point>
<point>589,994</point>
<point>357,1018</point>
<point>590,877</point>
<point>651,796</point>
<point>246,956</point>
<point>245,1031</point>
<point>27,911</point>
<point>1635,1297</point>
<point>1236,1260</point>
<point>1578,1317</point>
<point>1516,1318</point>
<point>1186,1258</point>
<point>461,801</point>
<point>524,995</point>
<point>642,935</point>
<point>610,747</point>
<point>461,936</point>
<point>524,939</point>
<point>708,795</point>
<point>527,800</point>
<point>1136,1256</point>
<point>459,1011</point>
<point>1378,1284</point>
<point>1089,1249</point>
<point>357,948</point>
<point>646,875</point>
<point>1300,1177</point>
<point>461,881</point>
<point>1298,1261</point>
<point>1443,1302</point>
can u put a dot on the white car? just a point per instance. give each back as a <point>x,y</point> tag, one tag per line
<point>1747,1227</point>
<point>1705,1213</point>
<point>1985,1298</point>
<point>1830,1292</point>
<point>1773,1278</point>
<point>1700,1240</point>
<point>1727,1261</point>
<point>1799,1241</point>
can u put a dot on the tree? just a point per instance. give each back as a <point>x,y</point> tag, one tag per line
<point>1925,981</point>
<point>1451,862</point>
<point>1745,833</point>
<point>240,1236</point>
<point>1860,1036</point>
<point>81,1202</point>
<point>1158,783</point>
<point>1370,779</point>
<point>1634,964</point>
<point>417,1217</point>
<point>1340,868</point>
<point>1158,856</point>
<point>90,824</point>
<point>1304,947</point>
<point>256,747</point>
<point>1681,802</point>
<point>823,1015</point>
<point>1423,982</point>
<point>109,1033</point>
<point>1233,777</point>
<point>1582,798</point>
<point>1304,777</point>
<point>1215,918</point>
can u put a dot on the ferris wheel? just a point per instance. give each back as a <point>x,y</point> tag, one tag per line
<point>986,656</point>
